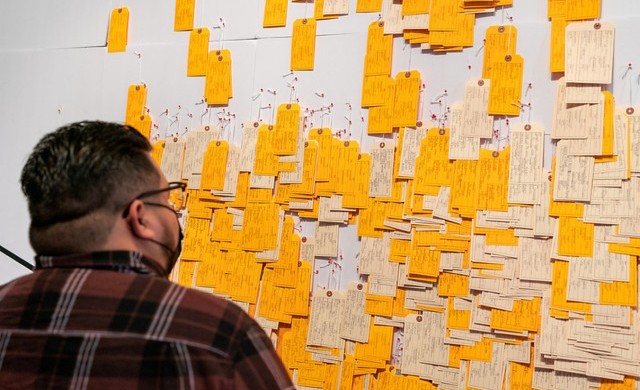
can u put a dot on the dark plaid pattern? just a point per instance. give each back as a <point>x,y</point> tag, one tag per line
<point>106,320</point>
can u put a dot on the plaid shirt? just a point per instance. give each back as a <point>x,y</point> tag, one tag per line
<point>106,320</point>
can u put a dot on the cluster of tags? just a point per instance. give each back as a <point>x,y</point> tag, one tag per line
<point>437,25</point>
<point>478,268</point>
<point>475,271</point>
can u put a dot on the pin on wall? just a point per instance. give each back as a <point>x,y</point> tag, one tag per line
<point>484,42</point>
<point>221,26</point>
<point>441,102</point>
<point>267,107</point>
<point>155,132</point>
<point>320,110</point>
<point>628,69</point>
<point>404,49</point>
<point>291,85</point>
<point>348,118</point>
<point>173,122</point>
<point>188,114</point>
<point>305,122</point>
<point>528,93</point>
<point>324,111</point>
<point>204,110</point>
<point>139,55</point>
<point>254,98</point>
<point>505,137</point>
<point>221,123</point>
<point>273,106</point>
<point>506,16</point>
<point>226,121</point>
<point>498,136</point>
<point>234,120</point>
<point>59,111</point>
<point>510,20</point>
<point>310,114</point>
<point>334,266</point>
<point>421,96</point>
<point>165,113</point>
<point>202,11</point>
<point>362,127</point>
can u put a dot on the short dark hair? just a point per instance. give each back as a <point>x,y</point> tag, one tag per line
<point>78,178</point>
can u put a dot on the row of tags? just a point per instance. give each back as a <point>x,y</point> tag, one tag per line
<point>396,101</point>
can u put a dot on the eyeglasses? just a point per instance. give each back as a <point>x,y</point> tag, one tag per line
<point>177,198</point>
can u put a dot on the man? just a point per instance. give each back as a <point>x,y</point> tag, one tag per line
<point>98,312</point>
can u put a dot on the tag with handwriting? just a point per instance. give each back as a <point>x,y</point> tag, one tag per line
<point>556,57</point>
<point>142,123</point>
<point>136,101</point>
<point>407,97</point>
<point>499,42</point>
<point>460,146</point>
<point>266,161</point>
<point>525,166</point>
<point>506,85</point>
<point>303,44</point>
<point>433,167</point>
<point>324,140</point>
<point>476,121</point>
<point>198,52</point>
<point>118,30</point>
<point>275,13</point>
<point>318,11</point>
<point>369,6</point>
<point>214,165</point>
<point>442,14</point>
<point>589,52</point>
<point>583,9</point>
<point>285,139</point>
<point>172,158</point>
<point>217,89</point>
<point>415,7</point>
<point>377,59</point>
<point>493,179</point>
<point>381,179</point>
<point>375,90</point>
<point>335,7</point>
<point>185,10</point>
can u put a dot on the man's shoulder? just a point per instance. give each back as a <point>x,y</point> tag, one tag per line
<point>211,311</point>
<point>208,303</point>
<point>205,319</point>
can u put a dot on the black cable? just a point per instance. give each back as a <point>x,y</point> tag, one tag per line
<point>17,258</point>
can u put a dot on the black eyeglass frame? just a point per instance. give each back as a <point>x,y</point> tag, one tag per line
<point>173,185</point>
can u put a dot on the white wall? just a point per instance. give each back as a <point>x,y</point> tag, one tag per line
<point>53,56</point>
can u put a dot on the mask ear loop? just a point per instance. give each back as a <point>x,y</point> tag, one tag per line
<point>174,255</point>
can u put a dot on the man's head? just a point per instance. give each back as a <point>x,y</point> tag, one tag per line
<point>79,179</point>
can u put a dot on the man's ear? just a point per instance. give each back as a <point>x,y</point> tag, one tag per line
<point>139,221</point>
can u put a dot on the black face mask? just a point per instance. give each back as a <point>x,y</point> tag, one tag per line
<point>173,253</point>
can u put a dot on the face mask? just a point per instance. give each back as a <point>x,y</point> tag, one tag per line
<point>176,253</point>
<point>173,253</point>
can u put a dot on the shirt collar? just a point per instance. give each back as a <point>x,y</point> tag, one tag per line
<point>119,261</point>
